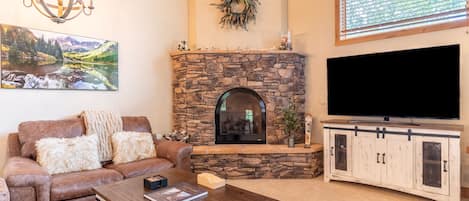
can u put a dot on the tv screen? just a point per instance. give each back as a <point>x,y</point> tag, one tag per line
<point>420,83</point>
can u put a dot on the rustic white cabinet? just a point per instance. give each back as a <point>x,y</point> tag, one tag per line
<point>418,159</point>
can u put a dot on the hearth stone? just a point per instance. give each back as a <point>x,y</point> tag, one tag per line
<point>201,77</point>
<point>258,161</point>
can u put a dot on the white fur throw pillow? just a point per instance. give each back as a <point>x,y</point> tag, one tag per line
<point>132,146</point>
<point>62,155</point>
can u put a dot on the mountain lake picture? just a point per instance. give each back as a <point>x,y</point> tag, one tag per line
<point>34,59</point>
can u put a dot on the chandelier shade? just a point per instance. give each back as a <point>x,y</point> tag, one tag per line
<point>60,11</point>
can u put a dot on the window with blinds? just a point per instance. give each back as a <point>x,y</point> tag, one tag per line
<point>361,18</point>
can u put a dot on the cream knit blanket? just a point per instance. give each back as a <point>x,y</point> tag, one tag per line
<point>104,124</point>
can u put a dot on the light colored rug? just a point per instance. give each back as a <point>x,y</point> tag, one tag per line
<point>317,190</point>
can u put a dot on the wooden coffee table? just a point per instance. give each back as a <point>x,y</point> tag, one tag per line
<point>133,190</point>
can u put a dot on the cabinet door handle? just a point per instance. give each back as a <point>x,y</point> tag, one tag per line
<point>332,151</point>
<point>377,158</point>
<point>384,156</point>
<point>445,164</point>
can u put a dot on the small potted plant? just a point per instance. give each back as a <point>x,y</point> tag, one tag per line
<point>291,121</point>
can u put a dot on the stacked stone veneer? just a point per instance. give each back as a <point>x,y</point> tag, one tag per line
<point>200,78</point>
<point>254,166</point>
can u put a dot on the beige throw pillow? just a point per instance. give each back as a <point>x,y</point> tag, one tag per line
<point>132,146</point>
<point>62,155</point>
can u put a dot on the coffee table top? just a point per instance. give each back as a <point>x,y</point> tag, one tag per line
<point>132,189</point>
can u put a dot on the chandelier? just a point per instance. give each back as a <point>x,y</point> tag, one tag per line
<point>60,11</point>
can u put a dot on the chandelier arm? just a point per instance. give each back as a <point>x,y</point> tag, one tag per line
<point>55,7</point>
<point>39,9</point>
<point>43,3</point>
<point>69,9</point>
<point>75,16</point>
<point>89,12</point>
<point>28,5</point>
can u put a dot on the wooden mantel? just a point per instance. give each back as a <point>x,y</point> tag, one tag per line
<point>176,53</point>
<point>255,149</point>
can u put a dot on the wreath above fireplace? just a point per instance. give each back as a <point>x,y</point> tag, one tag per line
<point>238,13</point>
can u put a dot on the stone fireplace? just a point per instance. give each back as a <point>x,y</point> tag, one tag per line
<point>240,117</point>
<point>231,103</point>
<point>236,97</point>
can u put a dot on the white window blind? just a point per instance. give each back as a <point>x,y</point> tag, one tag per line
<point>367,17</point>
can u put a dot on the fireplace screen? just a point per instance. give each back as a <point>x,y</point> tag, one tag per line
<point>240,118</point>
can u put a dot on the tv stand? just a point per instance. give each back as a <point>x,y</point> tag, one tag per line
<point>384,122</point>
<point>395,156</point>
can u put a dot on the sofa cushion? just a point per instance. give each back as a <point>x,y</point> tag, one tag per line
<point>30,132</point>
<point>136,124</point>
<point>61,155</point>
<point>138,168</point>
<point>79,184</point>
<point>132,146</point>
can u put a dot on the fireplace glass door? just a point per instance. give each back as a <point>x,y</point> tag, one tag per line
<point>240,118</point>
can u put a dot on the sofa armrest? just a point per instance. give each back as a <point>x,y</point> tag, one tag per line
<point>14,147</point>
<point>24,172</point>
<point>178,153</point>
<point>21,172</point>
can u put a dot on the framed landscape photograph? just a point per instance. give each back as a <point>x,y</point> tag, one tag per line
<point>35,59</point>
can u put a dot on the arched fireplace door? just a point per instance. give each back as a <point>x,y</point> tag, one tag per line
<point>240,118</point>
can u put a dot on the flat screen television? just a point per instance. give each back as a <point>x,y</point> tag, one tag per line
<point>418,83</point>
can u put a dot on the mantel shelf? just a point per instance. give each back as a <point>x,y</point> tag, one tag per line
<point>255,149</point>
<point>177,53</point>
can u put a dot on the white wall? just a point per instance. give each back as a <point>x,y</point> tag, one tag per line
<point>312,23</point>
<point>146,31</point>
<point>205,31</point>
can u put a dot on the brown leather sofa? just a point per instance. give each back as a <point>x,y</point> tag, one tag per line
<point>28,181</point>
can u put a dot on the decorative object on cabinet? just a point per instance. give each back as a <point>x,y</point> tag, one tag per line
<point>62,10</point>
<point>418,159</point>
<point>308,130</point>
<point>36,59</point>
<point>237,13</point>
<point>291,121</point>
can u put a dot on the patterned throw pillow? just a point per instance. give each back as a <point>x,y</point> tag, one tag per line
<point>62,155</point>
<point>132,146</point>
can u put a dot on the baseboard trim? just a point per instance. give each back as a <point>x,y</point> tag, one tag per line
<point>464,192</point>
